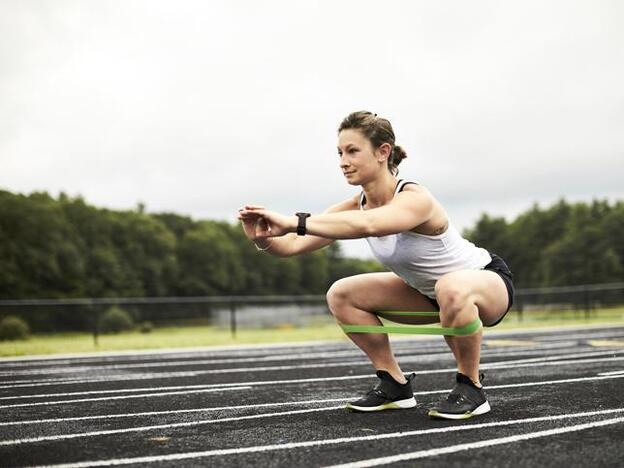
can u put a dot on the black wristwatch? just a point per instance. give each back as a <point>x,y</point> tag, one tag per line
<point>301,226</point>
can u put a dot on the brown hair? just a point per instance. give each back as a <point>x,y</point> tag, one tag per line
<point>378,131</point>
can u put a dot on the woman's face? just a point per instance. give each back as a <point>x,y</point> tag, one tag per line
<point>359,162</point>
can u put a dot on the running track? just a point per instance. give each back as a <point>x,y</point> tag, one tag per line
<point>556,397</point>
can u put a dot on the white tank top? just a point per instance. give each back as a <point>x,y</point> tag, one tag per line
<point>420,260</point>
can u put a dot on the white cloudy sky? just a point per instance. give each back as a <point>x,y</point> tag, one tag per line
<point>200,106</point>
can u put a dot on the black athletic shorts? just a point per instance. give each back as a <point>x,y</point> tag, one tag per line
<point>498,266</point>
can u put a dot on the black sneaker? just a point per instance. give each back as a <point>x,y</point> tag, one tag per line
<point>387,394</point>
<point>465,401</point>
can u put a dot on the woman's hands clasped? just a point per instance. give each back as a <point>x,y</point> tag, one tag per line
<point>260,223</point>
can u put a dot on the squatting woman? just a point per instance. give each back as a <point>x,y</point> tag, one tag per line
<point>432,267</point>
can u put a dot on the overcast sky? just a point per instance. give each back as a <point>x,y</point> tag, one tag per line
<point>198,107</point>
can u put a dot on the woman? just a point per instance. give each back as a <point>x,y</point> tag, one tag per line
<point>431,266</point>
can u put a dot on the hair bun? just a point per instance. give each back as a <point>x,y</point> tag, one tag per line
<point>398,155</point>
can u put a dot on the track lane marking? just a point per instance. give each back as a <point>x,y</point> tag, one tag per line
<point>291,403</point>
<point>474,445</point>
<point>324,442</point>
<point>121,397</point>
<point>404,357</point>
<point>162,426</point>
<point>565,359</point>
<point>498,365</point>
<point>612,373</point>
<point>163,375</point>
<point>172,412</point>
<point>278,358</point>
<point>267,415</point>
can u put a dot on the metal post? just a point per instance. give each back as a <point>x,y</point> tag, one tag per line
<point>233,319</point>
<point>96,326</point>
<point>586,302</point>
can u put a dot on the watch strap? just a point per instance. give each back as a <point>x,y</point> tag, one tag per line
<point>301,225</point>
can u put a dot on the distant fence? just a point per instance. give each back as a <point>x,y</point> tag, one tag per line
<point>232,311</point>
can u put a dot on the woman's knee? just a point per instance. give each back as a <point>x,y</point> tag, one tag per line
<point>453,296</point>
<point>338,296</point>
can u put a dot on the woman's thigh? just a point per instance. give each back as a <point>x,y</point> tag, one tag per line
<point>378,292</point>
<point>484,288</point>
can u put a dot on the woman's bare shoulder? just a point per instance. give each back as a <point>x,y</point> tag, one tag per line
<point>417,188</point>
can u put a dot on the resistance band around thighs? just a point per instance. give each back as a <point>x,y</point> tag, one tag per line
<point>468,329</point>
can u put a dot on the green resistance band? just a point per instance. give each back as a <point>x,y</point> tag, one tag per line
<point>468,329</point>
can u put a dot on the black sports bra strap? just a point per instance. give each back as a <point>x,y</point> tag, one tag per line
<point>403,184</point>
<point>399,187</point>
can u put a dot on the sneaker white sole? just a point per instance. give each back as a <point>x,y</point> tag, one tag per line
<point>484,408</point>
<point>399,404</point>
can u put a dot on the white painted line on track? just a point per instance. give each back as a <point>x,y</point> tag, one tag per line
<point>125,397</point>
<point>612,373</point>
<point>359,362</point>
<point>183,363</point>
<point>168,375</point>
<point>325,442</point>
<point>267,415</point>
<point>474,445</point>
<point>492,365</point>
<point>158,353</point>
<point>280,357</point>
<point>291,403</point>
<point>498,365</point>
<point>173,412</point>
<point>163,426</point>
<point>531,350</point>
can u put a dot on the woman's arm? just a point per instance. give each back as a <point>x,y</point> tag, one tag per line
<point>289,244</point>
<point>407,210</point>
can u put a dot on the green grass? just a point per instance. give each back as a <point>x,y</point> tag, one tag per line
<point>166,337</point>
<point>199,336</point>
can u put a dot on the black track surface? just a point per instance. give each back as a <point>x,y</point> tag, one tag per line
<point>556,397</point>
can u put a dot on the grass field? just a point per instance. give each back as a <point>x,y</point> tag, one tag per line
<point>196,336</point>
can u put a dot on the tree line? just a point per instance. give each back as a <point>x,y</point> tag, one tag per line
<point>564,244</point>
<point>63,247</point>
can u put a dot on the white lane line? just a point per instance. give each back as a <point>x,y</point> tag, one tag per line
<point>292,403</point>
<point>338,347</point>
<point>238,418</point>
<point>183,363</point>
<point>230,350</point>
<point>476,445</point>
<point>359,362</point>
<point>163,375</point>
<point>173,412</point>
<point>342,440</point>
<point>583,336</point>
<point>493,365</point>
<point>163,426</point>
<point>167,375</point>
<point>125,397</point>
<point>498,365</point>
<point>612,373</point>
<point>271,358</point>
<point>403,357</point>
